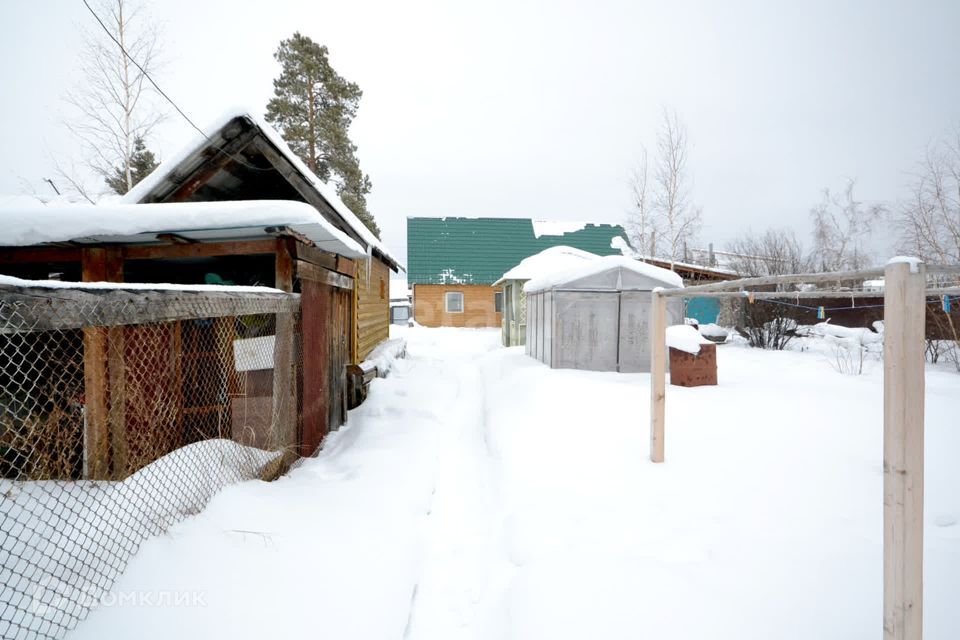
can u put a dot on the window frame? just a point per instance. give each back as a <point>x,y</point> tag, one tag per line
<point>446,301</point>
<point>498,295</point>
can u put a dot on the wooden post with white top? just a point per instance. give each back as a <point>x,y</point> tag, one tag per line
<point>658,373</point>
<point>903,389</point>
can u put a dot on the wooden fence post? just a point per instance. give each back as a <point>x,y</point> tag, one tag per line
<point>102,421</point>
<point>658,373</point>
<point>903,390</point>
<point>284,367</point>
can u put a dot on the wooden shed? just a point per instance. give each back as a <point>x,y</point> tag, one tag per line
<point>269,243</point>
<point>244,158</point>
<point>597,316</point>
<point>235,206</point>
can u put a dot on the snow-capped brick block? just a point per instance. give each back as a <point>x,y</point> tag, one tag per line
<point>694,370</point>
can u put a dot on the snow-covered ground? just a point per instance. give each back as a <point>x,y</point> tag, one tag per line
<point>479,494</point>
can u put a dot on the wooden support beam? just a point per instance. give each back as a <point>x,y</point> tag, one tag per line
<point>658,374</point>
<point>99,265</point>
<point>117,415</point>
<point>309,253</point>
<point>39,254</point>
<point>762,281</point>
<point>76,309</point>
<point>308,271</point>
<point>284,365</point>
<point>307,191</point>
<point>199,250</point>
<point>217,158</point>
<point>903,415</point>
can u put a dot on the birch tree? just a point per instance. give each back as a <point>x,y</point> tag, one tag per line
<point>929,220</point>
<point>679,219</point>
<point>113,105</point>
<point>842,227</point>
<point>642,223</point>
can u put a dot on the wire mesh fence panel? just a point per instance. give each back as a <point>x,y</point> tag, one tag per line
<point>122,412</point>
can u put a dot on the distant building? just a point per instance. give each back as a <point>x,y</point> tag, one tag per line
<point>453,262</point>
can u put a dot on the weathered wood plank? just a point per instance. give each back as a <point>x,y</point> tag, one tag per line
<point>40,309</point>
<point>98,264</point>
<point>17,255</point>
<point>308,253</point>
<point>284,367</point>
<point>309,271</point>
<point>199,250</point>
<point>658,374</point>
<point>903,414</point>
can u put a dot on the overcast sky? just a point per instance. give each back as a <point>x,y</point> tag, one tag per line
<point>538,109</point>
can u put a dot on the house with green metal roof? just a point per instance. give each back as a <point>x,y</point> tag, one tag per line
<point>452,263</point>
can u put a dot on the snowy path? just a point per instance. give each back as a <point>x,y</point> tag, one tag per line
<point>480,495</point>
<point>392,513</point>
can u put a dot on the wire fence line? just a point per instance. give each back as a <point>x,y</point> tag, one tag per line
<point>122,412</point>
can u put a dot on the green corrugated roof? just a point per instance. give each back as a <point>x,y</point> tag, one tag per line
<point>480,250</point>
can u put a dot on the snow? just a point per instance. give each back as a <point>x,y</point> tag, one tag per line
<point>556,227</point>
<point>327,191</point>
<point>10,281</point>
<point>685,338</point>
<point>39,223</point>
<point>41,514</point>
<point>711,330</point>
<point>601,265</point>
<point>552,260</point>
<point>911,260</point>
<point>399,289</point>
<point>480,494</point>
<point>385,355</point>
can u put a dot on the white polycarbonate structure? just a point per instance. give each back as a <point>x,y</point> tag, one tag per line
<point>596,317</point>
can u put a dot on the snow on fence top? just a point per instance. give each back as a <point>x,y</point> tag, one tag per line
<point>654,276</point>
<point>329,194</point>
<point>548,261</point>
<point>9,281</point>
<point>202,221</point>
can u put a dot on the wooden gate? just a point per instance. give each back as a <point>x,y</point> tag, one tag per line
<point>326,315</point>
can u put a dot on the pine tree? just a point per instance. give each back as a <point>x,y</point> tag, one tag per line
<point>313,107</point>
<point>142,163</point>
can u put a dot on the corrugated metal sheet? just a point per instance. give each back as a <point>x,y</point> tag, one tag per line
<point>480,250</point>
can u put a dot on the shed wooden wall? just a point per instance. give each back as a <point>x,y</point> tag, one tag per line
<point>478,306</point>
<point>372,307</point>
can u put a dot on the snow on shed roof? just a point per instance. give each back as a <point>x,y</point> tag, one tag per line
<point>552,260</point>
<point>623,266</point>
<point>172,164</point>
<point>26,224</point>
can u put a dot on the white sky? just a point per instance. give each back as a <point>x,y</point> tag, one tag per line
<point>537,109</point>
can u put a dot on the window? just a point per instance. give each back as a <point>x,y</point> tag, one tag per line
<point>498,301</point>
<point>454,302</point>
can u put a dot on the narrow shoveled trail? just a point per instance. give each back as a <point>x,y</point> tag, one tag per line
<point>388,532</point>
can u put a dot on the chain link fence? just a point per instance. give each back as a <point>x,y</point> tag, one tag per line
<point>122,412</point>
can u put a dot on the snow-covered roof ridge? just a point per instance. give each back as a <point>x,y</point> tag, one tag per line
<point>548,261</point>
<point>39,223</point>
<point>601,265</point>
<point>329,194</point>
